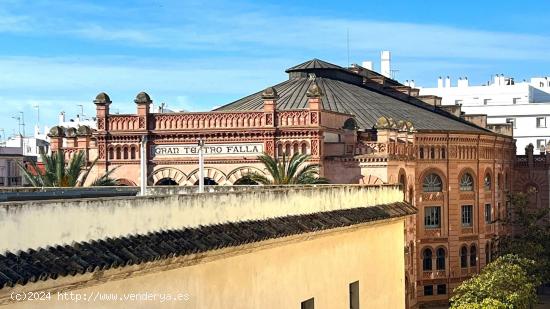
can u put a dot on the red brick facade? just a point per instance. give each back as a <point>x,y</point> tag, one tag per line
<point>391,151</point>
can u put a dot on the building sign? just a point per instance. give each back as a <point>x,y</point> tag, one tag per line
<point>248,149</point>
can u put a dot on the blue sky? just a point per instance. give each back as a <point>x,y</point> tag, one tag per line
<point>195,55</point>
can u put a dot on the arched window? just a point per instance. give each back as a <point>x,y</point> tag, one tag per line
<point>350,124</point>
<point>111,153</point>
<point>421,153</point>
<point>432,183</point>
<point>402,181</point>
<point>125,153</point>
<point>464,257</point>
<point>473,255</point>
<point>132,152</point>
<point>280,150</point>
<point>443,153</point>
<point>487,182</point>
<point>118,155</point>
<point>440,262</point>
<point>432,153</point>
<point>295,149</point>
<point>427,259</point>
<point>467,182</point>
<point>488,253</point>
<point>304,148</point>
<point>287,149</point>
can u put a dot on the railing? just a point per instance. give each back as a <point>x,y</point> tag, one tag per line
<point>432,232</point>
<point>11,181</point>
<point>123,122</point>
<point>468,271</point>
<point>432,196</point>
<point>489,228</point>
<point>438,274</point>
<point>210,120</point>
<point>292,118</point>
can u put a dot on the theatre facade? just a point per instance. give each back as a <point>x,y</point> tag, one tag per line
<point>362,128</point>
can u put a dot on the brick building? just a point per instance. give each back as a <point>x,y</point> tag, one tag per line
<point>361,127</point>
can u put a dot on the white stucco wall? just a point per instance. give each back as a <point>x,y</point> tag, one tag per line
<point>317,265</point>
<point>34,224</point>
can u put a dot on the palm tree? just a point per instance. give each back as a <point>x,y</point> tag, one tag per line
<point>58,173</point>
<point>285,172</point>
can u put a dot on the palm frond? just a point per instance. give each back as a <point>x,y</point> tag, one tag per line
<point>34,180</point>
<point>75,166</point>
<point>258,178</point>
<point>294,164</point>
<point>271,165</point>
<point>288,171</point>
<point>106,179</point>
<point>84,176</point>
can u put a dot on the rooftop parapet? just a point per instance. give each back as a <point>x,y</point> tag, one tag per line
<point>59,222</point>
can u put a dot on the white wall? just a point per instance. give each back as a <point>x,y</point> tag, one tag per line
<point>522,101</point>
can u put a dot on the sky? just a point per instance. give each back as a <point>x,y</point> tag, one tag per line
<point>196,55</point>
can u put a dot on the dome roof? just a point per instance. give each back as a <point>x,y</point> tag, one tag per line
<point>84,130</point>
<point>142,97</point>
<point>57,131</point>
<point>102,98</point>
<point>71,132</point>
<point>269,93</point>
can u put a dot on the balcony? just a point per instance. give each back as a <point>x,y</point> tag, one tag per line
<point>10,181</point>
<point>468,271</point>
<point>432,232</point>
<point>437,274</point>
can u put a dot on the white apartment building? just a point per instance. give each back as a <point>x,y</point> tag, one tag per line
<point>10,172</point>
<point>30,146</point>
<point>526,104</point>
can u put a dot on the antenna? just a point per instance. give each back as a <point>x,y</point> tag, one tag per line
<point>18,118</point>
<point>81,111</point>
<point>37,106</point>
<point>348,45</point>
<point>23,122</point>
<point>393,74</point>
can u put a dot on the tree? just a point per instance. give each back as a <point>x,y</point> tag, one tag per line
<point>508,282</point>
<point>58,173</point>
<point>531,234</point>
<point>284,171</point>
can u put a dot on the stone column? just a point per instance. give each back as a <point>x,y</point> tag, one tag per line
<point>102,102</point>
<point>143,102</point>
<point>314,94</point>
<point>56,135</point>
<point>269,97</point>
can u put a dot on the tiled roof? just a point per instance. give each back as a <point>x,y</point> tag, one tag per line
<point>344,92</point>
<point>79,258</point>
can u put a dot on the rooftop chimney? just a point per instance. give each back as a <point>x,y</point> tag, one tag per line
<point>440,82</point>
<point>61,117</point>
<point>463,82</point>
<point>385,66</point>
<point>448,82</point>
<point>367,65</point>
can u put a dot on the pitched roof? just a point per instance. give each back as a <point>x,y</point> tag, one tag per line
<point>79,258</point>
<point>314,64</point>
<point>345,92</point>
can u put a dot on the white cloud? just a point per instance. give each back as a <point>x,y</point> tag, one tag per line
<point>97,32</point>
